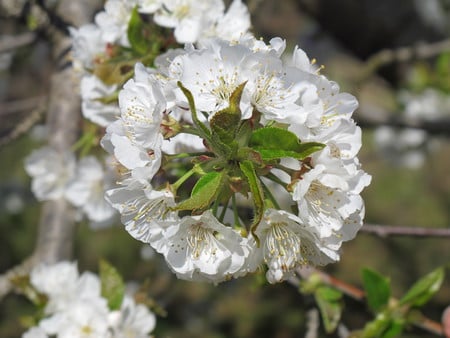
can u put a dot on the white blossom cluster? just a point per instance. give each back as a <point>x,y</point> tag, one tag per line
<point>83,183</point>
<point>76,309</point>
<point>191,21</point>
<point>319,197</point>
<point>408,147</point>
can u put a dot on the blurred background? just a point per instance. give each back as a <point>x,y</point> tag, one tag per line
<point>394,56</point>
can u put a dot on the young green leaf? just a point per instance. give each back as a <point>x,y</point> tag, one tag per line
<point>378,289</point>
<point>274,143</point>
<point>424,288</point>
<point>330,305</point>
<point>135,33</point>
<point>204,192</point>
<point>112,285</point>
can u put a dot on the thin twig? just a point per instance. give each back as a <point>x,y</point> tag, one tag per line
<point>435,127</point>
<point>12,42</point>
<point>358,294</point>
<point>22,127</point>
<point>419,51</point>
<point>388,230</point>
<point>13,107</point>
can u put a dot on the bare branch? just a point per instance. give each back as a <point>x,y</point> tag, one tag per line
<point>419,51</point>
<point>12,42</point>
<point>435,127</point>
<point>387,230</point>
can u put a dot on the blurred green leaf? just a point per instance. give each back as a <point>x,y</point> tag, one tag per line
<point>423,289</point>
<point>112,285</point>
<point>135,32</point>
<point>378,289</point>
<point>330,305</point>
<point>394,329</point>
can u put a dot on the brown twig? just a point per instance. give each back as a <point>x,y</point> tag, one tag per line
<point>359,295</point>
<point>419,51</point>
<point>387,230</point>
<point>57,223</point>
<point>10,43</point>
<point>439,126</point>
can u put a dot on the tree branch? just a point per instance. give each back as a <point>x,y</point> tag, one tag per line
<point>435,127</point>
<point>57,222</point>
<point>12,42</point>
<point>403,54</point>
<point>358,294</point>
<point>387,230</point>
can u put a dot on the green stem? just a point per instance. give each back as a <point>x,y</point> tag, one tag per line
<point>237,224</point>
<point>268,193</point>
<point>276,179</point>
<point>205,131</point>
<point>224,210</point>
<point>186,155</point>
<point>182,179</point>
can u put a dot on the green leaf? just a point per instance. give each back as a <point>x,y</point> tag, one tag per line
<point>330,305</point>
<point>394,329</point>
<point>378,289</point>
<point>424,289</point>
<point>112,285</point>
<point>275,154</point>
<point>135,32</point>
<point>274,143</point>
<point>248,169</point>
<point>204,192</point>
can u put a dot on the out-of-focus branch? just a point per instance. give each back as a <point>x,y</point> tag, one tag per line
<point>358,294</point>
<point>9,43</point>
<point>22,127</point>
<point>57,221</point>
<point>435,127</point>
<point>387,230</point>
<point>419,51</point>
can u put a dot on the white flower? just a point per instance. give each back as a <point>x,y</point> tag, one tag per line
<point>213,73</point>
<point>234,24</point>
<point>92,91</point>
<point>132,320</point>
<point>143,162</point>
<point>113,21</point>
<point>144,211</point>
<point>201,248</point>
<point>63,285</point>
<point>142,105</point>
<point>50,172</point>
<point>149,6</point>
<point>188,17</point>
<point>324,205</point>
<point>35,332</point>
<point>87,45</point>
<point>287,242</point>
<point>87,189</point>
<point>80,319</point>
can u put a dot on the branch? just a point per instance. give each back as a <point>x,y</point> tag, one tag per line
<point>359,295</point>
<point>387,230</point>
<point>436,127</point>
<point>57,221</point>
<point>12,42</point>
<point>419,51</point>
